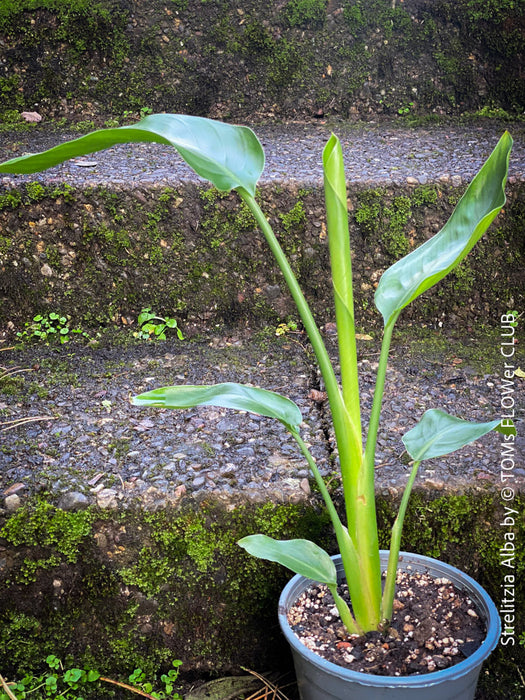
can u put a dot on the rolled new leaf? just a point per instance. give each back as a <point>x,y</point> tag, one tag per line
<point>428,264</point>
<point>227,395</point>
<point>300,556</point>
<point>227,155</point>
<point>438,433</point>
<point>341,267</point>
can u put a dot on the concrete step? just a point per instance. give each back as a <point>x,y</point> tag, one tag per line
<point>84,436</point>
<point>101,237</point>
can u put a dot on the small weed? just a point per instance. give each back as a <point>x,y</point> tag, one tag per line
<point>285,328</point>
<point>128,114</point>
<point>138,678</point>
<point>405,109</point>
<point>145,111</point>
<point>515,316</point>
<point>61,684</point>
<point>152,326</point>
<point>49,328</point>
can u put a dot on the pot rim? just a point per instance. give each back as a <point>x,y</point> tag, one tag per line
<point>298,584</point>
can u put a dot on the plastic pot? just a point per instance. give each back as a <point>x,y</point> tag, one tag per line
<point>319,679</point>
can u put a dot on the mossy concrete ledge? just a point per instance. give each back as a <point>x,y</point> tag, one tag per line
<point>100,254</point>
<point>70,58</point>
<point>120,589</point>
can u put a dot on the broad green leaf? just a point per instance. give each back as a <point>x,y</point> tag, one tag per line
<point>439,433</point>
<point>228,395</point>
<point>227,155</point>
<point>428,264</point>
<point>301,556</point>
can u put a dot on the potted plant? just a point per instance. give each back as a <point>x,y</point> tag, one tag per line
<point>231,158</point>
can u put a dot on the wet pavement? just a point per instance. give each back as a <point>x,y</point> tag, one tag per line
<point>83,442</point>
<point>374,155</point>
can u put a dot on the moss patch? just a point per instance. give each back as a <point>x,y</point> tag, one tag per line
<point>142,588</point>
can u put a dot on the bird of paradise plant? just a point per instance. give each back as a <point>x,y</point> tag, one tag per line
<point>232,158</point>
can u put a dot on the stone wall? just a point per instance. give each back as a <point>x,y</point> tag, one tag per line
<point>100,255</point>
<point>249,60</point>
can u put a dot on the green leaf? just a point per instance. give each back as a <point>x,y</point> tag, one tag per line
<point>439,433</point>
<point>227,155</point>
<point>301,556</point>
<point>73,675</point>
<point>228,395</point>
<point>428,264</point>
<point>52,661</point>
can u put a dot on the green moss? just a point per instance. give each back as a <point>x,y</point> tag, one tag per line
<point>197,544</point>
<point>463,279</point>
<point>256,41</point>
<point>152,586</point>
<point>287,63</point>
<point>64,191</point>
<point>80,22</point>
<point>454,528</point>
<point>11,96</point>
<point>48,526</point>
<point>305,13</point>
<point>397,216</point>
<point>35,191</point>
<point>295,218</point>
<point>15,628</point>
<point>113,253</point>
<point>53,257</point>
<point>271,55</point>
<point>364,16</point>
<point>388,221</point>
<point>12,385</point>
<point>392,220</point>
<point>10,200</point>
<point>369,211</point>
<point>424,195</point>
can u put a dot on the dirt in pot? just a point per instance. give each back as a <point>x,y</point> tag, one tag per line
<point>435,625</point>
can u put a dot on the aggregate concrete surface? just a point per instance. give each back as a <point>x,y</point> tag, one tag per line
<point>374,154</point>
<point>84,442</point>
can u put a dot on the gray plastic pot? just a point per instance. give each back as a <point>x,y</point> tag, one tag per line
<point>319,679</point>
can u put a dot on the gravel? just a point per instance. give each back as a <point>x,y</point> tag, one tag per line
<point>88,444</point>
<point>374,154</point>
